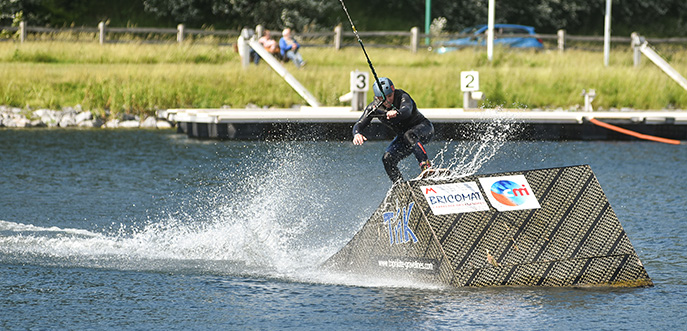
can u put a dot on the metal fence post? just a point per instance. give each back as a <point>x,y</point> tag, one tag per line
<point>413,39</point>
<point>561,40</point>
<point>337,37</point>
<point>22,31</point>
<point>180,33</point>
<point>101,32</point>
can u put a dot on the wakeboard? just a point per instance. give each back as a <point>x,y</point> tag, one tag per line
<point>433,172</point>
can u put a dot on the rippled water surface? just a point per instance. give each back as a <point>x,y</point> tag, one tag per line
<point>151,230</point>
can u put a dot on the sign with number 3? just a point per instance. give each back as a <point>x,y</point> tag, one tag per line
<point>360,81</point>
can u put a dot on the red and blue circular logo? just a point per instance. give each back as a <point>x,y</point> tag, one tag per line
<point>509,193</point>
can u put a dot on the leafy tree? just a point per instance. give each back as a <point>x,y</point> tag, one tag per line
<point>45,12</point>
<point>666,17</point>
<point>649,17</point>
<point>67,12</point>
<point>298,14</point>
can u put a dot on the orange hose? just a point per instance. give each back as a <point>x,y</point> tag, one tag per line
<point>634,134</point>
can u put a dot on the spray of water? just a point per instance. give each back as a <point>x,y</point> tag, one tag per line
<point>467,156</point>
<point>256,224</point>
<point>273,218</point>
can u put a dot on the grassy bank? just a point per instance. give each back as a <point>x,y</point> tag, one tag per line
<point>140,78</point>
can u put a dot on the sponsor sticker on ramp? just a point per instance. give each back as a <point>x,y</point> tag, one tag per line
<point>408,264</point>
<point>454,198</point>
<point>509,193</point>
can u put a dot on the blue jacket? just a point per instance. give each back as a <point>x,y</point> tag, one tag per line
<point>285,47</point>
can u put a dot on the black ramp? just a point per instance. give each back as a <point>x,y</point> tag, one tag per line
<point>548,227</point>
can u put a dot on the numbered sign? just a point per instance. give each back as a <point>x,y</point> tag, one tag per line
<point>360,81</point>
<point>469,81</point>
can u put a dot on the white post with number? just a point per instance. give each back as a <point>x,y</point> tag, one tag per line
<point>360,84</point>
<point>469,84</point>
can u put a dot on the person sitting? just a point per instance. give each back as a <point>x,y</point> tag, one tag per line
<point>289,48</point>
<point>269,44</point>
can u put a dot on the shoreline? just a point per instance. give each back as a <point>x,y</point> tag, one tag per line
<point>74,117</point>
<point>329,123</point>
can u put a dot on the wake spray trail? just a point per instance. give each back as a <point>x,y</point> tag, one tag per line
<point>263,222</point>
<point>258,224</point>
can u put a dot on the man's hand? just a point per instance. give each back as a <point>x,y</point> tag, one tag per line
<point>391,114</point>
<point>358,139</point>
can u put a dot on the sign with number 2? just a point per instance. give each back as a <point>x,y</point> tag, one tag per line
<point>469,81</point>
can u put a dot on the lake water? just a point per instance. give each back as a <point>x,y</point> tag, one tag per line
<point>138,229</point>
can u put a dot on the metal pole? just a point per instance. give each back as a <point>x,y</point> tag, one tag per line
<point>490,31</point>
<point>252,43</point>
<point>607,32</point>
<point>428,19</point>
<point>360,41</point>
<point>661,63</point>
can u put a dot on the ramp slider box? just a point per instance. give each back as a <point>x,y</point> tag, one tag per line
<point>548,227</point>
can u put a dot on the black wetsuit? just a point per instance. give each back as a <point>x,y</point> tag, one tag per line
<point>411,127</point>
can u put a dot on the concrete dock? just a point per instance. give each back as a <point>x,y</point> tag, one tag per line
<point>335,123</point>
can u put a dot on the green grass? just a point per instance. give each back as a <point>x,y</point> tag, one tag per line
<point>140,78</point>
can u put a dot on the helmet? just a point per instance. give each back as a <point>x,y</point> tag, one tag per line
<point>387,87</point>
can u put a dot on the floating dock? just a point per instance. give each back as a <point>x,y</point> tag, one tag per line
<point>550,227</point>
<point>335,123</point>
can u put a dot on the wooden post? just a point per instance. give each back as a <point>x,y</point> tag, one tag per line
<point>101,29</point>
<point>636,52</point>
<point>338,34</point>
<point>259,30</point>
<point>413,39</point>
<point>244,48</point>
<point>22,31</point>
<point>180,33</point>
<point>561,40</point>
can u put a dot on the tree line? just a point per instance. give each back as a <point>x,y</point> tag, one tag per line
<point>666,18</point>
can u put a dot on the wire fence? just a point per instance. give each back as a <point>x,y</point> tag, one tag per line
<point>338,38</point>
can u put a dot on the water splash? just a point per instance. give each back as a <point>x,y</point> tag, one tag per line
<point>467,156</point>
<point>254,224</point>
<point>272,212</point>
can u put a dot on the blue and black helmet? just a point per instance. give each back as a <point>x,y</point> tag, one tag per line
<point>387,87</point>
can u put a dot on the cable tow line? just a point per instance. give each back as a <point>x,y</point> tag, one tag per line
<point>634,134</point>
<point>355,32</point>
